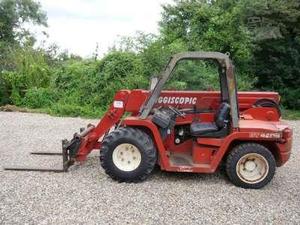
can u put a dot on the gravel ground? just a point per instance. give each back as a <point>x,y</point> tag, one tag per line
<point>86,195</point>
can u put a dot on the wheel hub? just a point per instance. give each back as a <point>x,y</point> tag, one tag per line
<point>252,168</point>
<point>126,157</point>
<point>250,165</point>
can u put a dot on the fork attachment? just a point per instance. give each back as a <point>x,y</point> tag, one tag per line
<point>69,148</point>
<point>69,153</point>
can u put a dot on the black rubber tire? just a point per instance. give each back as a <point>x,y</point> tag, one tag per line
<point>241,150</point>
<point>137,138</point>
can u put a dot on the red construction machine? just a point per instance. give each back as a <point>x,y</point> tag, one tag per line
<point>188,131</point>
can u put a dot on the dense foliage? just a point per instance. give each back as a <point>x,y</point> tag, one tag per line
<point>262,37</point>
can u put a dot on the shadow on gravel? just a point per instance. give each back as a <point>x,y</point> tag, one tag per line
<point>164,176</point>
<point>157,175</point>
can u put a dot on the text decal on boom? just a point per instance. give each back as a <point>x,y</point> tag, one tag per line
<point>177,100</point>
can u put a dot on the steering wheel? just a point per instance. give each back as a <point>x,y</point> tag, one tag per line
<point>176,111</point>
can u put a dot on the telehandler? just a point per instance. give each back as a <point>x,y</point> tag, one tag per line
<point>187,131</point>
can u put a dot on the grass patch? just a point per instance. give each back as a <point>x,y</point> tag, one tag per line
<point>291,114</point>
<point>58,110</point>
<point>74,111</point>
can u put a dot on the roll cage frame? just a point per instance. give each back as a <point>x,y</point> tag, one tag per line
<point>227,79</point>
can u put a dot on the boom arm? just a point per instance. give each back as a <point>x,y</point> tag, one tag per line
<point>90,139</point>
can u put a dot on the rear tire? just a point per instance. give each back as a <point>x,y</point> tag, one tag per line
<point>268,103</point>
<point>128,155</point>
<point>250,165</point>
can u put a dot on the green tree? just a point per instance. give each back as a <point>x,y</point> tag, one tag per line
<point>262,37</point>
<point>13,15</point>
<point>208,26</point>
<point>275,27</point>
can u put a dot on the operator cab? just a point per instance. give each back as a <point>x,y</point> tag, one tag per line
<point>191,115</point>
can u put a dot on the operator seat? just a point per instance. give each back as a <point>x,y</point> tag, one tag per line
<point>218,128</point>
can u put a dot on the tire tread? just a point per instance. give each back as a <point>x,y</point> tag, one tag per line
<point>131,134</point>
<point>242,149</point>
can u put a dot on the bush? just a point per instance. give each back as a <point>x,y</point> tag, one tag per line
<point>39,98</point>
<point>74,110</point>
<point>291,98</point>
<point>4,94</point>
<point>118,70</point>
<point>27,69</point>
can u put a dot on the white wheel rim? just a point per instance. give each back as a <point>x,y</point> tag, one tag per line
<point>126,157</point>
<point>252,168</point>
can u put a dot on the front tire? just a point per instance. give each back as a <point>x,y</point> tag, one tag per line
<point>128,155</point>
<point>250,165</point>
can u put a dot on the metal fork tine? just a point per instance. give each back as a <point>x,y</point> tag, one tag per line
<point>45,153</point>
<point>67,161</point>
<point>34,169</point>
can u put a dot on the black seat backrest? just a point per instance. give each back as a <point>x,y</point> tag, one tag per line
<point>222,115</point>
